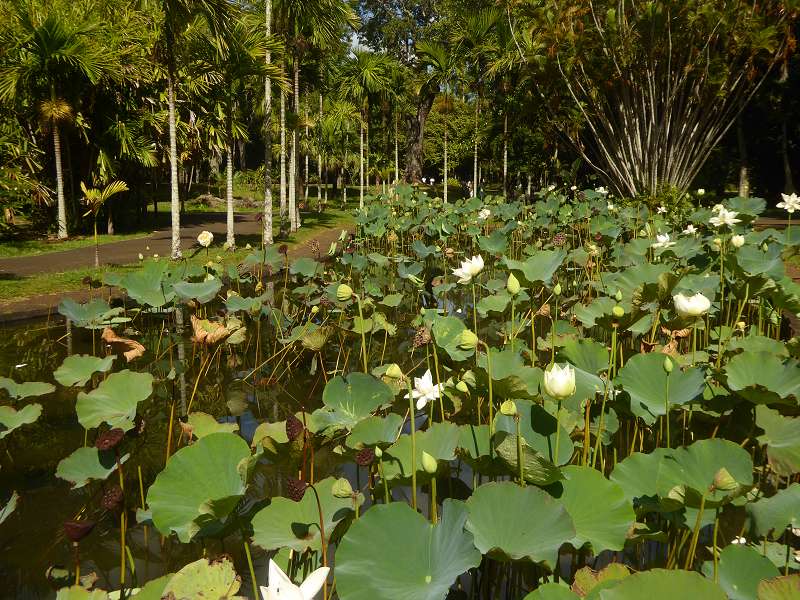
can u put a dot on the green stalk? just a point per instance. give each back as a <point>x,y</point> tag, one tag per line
<point>512,323</point>
<point>411,414</point>
<point>363,339</point>
<point>474,311</point>
<point>434,514</point>
<point>252,570</point>
<point>714,544</point>
<point>695,534</point>
<point>519,451</point>
<point>666,411</point>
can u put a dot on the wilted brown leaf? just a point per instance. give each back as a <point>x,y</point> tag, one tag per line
<point>208,332</point>
<point>130,349</point>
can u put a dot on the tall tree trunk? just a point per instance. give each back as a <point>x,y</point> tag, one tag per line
<point>267,219</point>
<point>396,150</point>
<point>788,179</point>
<point>319,157</point>
<point>175,205</point>
<point>294,221</point>
<point>505,153</point>
<point>110,216</point>
<point>475,148</point>
<point>361,166</point>
<point>445,162</point>
<point>366,147</point>
<point>62,205</point>
<point>416,137</point>
<point>283,162</point>
<point>230,239</point>
<point>305,154</point>
<point>744,166</point>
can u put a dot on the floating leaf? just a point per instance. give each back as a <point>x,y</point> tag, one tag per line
<point>393,553</point>
<point>660,584</point>
<point>536,468</point>
<point>782,437</point>
<point>203,292</point>
<point>375,430</point>
<point>203,424</point>
<point>115,400</point>
<point>513,522</point>
<point>440,441</point>
<point>346,401</point>
<point>774,514</point>
<point>739,571</point>
<point>763,378</point>
<point>19,391</point>
<point>79,368</point>
<point>11,419</point>
<point>204,579</point>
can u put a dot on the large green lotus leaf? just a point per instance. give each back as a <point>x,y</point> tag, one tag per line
<point>495,243</point>
<point>511,378</point>
<point>285,523</point>
<point>393,553</point>
<point>763,378</point>
<point>495,303</point>
<point>114,401</point>
<point>777,512</point>
<point>154,589</point>
<point>203,292</point>
<point>539,267</point>
<point>682,475</point>
<point>644,280</point>
<point>392,300</point>
<point>27,389</point>
<point>552,591</point>
<point>148,285</point>
<point>95,314</point>
<point>599,310</point>
<point>513,522</point>
<point>440,441</point>
<point>601,512</point>
<point>204,424</point>
<point>77,592</point>
<point>782,437</point>
<point>589,583</point>
<point>758,343</point>
<point>447,334</point>
<point>346,401</point>
<point>754,261</point>
<point>644,379</point>
<point>373,431</point>
<point>660,584</point>
<point>11,419</point>
<point>536,468</point>
<point>538,428</point>
<point>780,588</point>
<point>200,486</point>
<point>305,266</point>
<point>586,354</point>
<point>86,464</point>
<point>739,571</point>
<point>747,206</point>
<point>204,579</point>
<point>79,368</point>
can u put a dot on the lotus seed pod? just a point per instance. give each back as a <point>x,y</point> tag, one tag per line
<point>428,463</point>
<point>342,488</point>
<point>461,386</point>
<point>668,365</point>
<point>508,408</point>
<point>394,371</point>
<point>344,292</point>
<point>618,296</point>
<point>512,285</point>
<point>618,311</point>
<point>557,289</point>
<point>467,340</point>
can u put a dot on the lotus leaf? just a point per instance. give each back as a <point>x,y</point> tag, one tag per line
<point>782,437</point>
<point>346,401</point>
<point>200,486</point>
<point>540,267</point>
<point>77,592</point>
<point>285,523</point>
<point>780,588</point>
<point>19,391</point>
<point>202,292</point>
<point>530,525</point>
<point>204,579</point>
<point>307,267</point>
<point>79,368</point>
<point>86,464</point>
<point>772,515</point>
<point>414,559</point>
<point>373,431</point>
<point>440,441</point>
<point>115,400</point>
<point>763,378</point>
<point>660,584</point>
<point>644,379</point>
<point>202,424</point>
<point>11,419</point>
<point>739,571</point>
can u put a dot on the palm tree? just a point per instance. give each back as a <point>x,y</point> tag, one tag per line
<point>53,50</point>
<point>267,220</point>
<point>175,17</point>
<point>95,198</point>
<point>364,74</point>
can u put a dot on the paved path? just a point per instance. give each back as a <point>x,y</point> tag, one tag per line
<point>248,230</point>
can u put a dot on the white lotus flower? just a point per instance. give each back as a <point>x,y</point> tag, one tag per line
<point>701,191</point>
<point>791,203</point>
<point>281,587</point>
<point>551,187</point>
<point>611,207</point>
<point>739,540</point>
<point>425,390</point>
<point>484,214</point>
<point>662,210</point>
<point>690,229</point>
<point>691,306</point>
<point>432,181</point>
<point>724,217</point>
<point>737,241</point>
<point>469,269</point>
<point>574,188</point>
<point>205,239</point>
<point>559,382</point>
<point>601,190</point>
<point>716,208</point>
<point>662,241</point>
<point>424,180</point>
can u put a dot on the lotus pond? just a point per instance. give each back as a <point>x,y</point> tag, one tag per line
<point>573,398</point>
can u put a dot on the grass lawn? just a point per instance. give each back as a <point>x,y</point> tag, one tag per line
<point>33,247</point>
<point>12,290</point>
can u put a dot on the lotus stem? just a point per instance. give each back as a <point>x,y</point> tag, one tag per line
<point>714,544</point>
<point>77,563</point>
<point>558,431</point>
<point>666,410</point>
<point>386,497</point>
<point>363,338</point>
<point>512,324</point>
<point>474,311</point>
<point>434,508</point>
<point>412,416</point>
<point>438,382</point>
<point>256,591</point>
<point>519,451</point>
<point>321,538</point>
<point>695,533</point>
